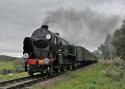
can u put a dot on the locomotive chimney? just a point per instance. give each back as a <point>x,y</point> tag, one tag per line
<point>57,34</point>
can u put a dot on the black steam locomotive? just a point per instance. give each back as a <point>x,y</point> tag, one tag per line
<point>47,52</point>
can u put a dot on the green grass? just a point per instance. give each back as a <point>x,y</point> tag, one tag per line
<point>91,77</point>
<point>10,66</point>
<point>6,65</point>
<point>13,76</point>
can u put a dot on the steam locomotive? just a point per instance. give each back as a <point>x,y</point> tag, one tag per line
<point>46,52</point>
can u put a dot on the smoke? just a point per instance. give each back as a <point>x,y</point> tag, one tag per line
<point>81,27</point>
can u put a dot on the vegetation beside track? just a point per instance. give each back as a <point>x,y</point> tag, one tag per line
<point>11,68</point>
<point>12,76</point>
<point>6,65</point>
<point>91,77</point>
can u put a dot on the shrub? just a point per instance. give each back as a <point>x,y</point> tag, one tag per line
<point>114,68</point>
<point>6,71</point>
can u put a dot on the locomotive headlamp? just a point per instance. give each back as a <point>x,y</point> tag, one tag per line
<point>25,55</point>
<point>48,36</point>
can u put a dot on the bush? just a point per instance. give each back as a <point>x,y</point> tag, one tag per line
<point>6,71</point>
<point>114,68</point>
<point>19,70</point>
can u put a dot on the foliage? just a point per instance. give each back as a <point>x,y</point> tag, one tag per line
<point>119,41</point>
<point>97,54</point>
<point>105,49</point>
<point>114,68</point>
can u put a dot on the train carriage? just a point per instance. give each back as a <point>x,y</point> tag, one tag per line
<point>84,56</point>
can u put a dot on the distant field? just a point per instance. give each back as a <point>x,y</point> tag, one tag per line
<point>91,77</point>
<point>6,65</point>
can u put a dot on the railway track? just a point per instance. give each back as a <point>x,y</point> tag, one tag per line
<point>23,82</point>
<point>26,81</point>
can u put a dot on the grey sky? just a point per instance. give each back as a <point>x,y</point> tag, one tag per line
<point>19,18</point>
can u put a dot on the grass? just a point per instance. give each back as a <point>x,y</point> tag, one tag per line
<point>10,66</point>
<point>91,77</point>
<point>12,76</point>
<point>6,65</point>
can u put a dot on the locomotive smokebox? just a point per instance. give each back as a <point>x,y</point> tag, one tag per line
<point>41,37</point>
<point>41,43</point>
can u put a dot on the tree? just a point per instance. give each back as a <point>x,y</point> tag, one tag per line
<point>119,41</point>
<point>106,48</point>
<point>97,54</point>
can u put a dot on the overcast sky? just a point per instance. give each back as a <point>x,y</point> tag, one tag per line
<point>19,18</point>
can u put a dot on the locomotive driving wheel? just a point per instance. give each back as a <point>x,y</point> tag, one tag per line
<point>71,66</point>
<point>30,72</point>
<point>50,71</point>
<point>65,68</point>
<point>59,70</point>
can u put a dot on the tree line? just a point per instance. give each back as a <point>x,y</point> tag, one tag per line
<point>114,45</point>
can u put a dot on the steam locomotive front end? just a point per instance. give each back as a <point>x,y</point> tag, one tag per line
<point>37,50</point>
